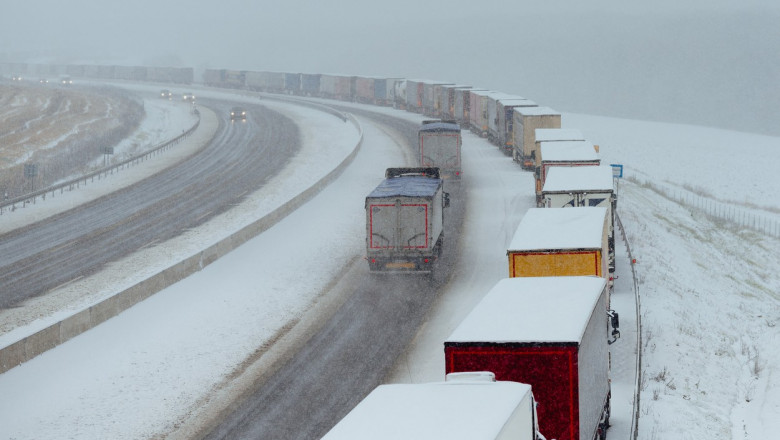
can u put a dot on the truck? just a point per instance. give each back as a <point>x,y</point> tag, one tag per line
<point>448,100</point>
<point>414,95</point>
<point>504,122</point>
<point>465,406</point>
<point>492,109</point>
<point>462,106</point>
<point>564,154</point>
<point>572,187</point>
<point>433,98</point>
<point>553,334</point>
<point>560,242</point>
<point>525,122</point>
<point>405,221</point>
<point>440,143</point>
<point>478,113</point>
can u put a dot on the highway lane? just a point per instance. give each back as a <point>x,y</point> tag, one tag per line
<point>355,348</point>
<point>76,243</point>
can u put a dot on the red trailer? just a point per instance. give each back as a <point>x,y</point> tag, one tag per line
<point>551,333</point>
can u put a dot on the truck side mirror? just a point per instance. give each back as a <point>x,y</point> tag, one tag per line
<point>446,200</point>
<point>614,320</point>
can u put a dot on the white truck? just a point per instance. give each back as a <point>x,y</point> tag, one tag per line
<point>405,221</point>
<point>583,186</point>
<point>466,406</point>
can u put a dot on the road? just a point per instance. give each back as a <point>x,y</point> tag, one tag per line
<point>76,243</point>
<point>356,346</point>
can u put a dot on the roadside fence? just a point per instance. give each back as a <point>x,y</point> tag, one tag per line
<point>757,219</point>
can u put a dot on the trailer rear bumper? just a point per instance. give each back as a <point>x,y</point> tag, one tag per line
<point>420,264</point>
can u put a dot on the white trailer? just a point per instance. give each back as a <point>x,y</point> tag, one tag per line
<point>557,134</point>
<point>405,221</point>
<point>466,406</point>
<point>573,187</point>
<point>564,153</point>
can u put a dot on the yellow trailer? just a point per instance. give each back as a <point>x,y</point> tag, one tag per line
<point>560,242</point>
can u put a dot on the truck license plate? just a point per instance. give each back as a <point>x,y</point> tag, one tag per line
<point>407,265</point>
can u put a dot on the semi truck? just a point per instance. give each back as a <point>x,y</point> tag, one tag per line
<point>466,406</point>
<point>553,334</point>
<point>505,122</point>
<point>439,146</point>
<point>405,221</point>
<point>572,187</point>
<point>560,242</point>
<point>526,120</point>
<point>563,154</point>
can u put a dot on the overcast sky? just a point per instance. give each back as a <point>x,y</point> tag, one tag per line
<point>666,59</point>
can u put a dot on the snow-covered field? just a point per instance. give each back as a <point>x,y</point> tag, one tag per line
<point>709,290</point>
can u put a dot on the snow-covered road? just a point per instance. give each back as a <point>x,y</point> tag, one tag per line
<point>710,294</point>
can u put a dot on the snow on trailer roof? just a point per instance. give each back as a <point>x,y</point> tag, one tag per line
<point>558,134</point>
<point>528,310</point>
<point>548,229</point>
<point>517,102</point>
<point>537,111</point>
<point>441,410</point>
<point>566,151</point>
<point>579,179</point>
<point>500,96</point>
<point>440,126</point>
<point>406,186</point>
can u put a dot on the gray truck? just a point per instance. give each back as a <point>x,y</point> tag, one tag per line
<point>405,221</point>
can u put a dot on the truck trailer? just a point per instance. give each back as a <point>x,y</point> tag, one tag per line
<point>464,407</point>
<point>505,122</point>
<point>405,221</point>
<point>495,122</point>
<point>564,154</point>
<point>560,242</point>
<point>551,333</point>
<point>525,122</point>
<point>439,144</point>
<point>573,187</point>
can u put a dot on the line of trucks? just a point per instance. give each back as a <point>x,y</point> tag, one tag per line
<point>530,362</point>
<point>537,346</point>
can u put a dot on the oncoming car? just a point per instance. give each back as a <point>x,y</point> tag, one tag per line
<point>189,97</point>
<point>16,78</point>
<point>166,94</point>
<point>237,113</point>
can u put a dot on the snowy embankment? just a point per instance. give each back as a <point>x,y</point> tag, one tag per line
<point>709,291</point>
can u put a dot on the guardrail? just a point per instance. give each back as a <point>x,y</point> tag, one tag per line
<point>47,338</point>
<point>308,103</point>
<point>31,198</point>
<point>638,375</point>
